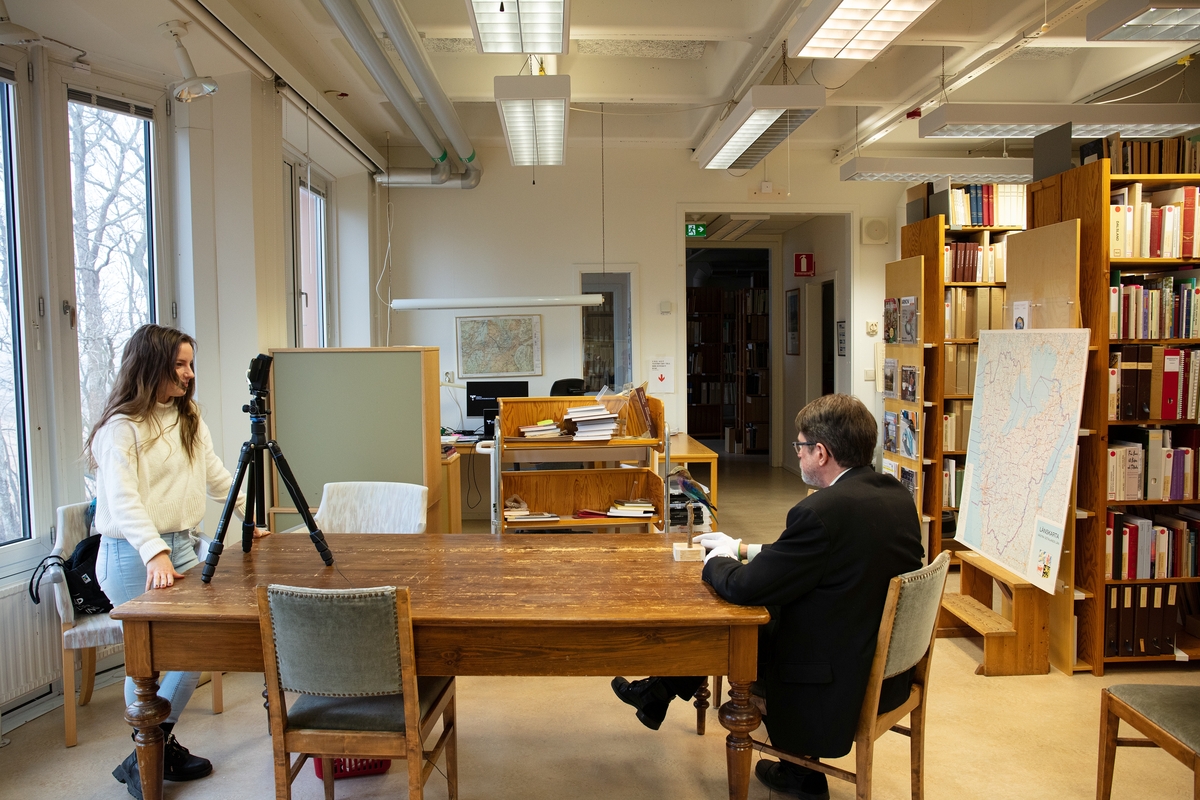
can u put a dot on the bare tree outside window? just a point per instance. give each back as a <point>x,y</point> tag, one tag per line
<point>13,473</point>
<point>310,270</point>
<point>114,243</point>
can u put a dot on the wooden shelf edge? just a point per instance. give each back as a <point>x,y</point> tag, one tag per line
<point>1149,581</point>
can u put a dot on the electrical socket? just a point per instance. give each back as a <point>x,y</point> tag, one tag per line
<point>449,377</point>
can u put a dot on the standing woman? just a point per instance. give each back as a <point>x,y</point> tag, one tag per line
<point>154,465</point>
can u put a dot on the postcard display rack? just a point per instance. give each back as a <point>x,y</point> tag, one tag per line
<point>1085,193</point>
<point>904,418</point>
<point>603,480</point>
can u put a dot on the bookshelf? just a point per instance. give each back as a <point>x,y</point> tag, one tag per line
<point>705,379</point>
<point>564,492</point>
<point>942,393</point>
<point>1084,194</point>
<point>752,397</point>
<point>599,347</point>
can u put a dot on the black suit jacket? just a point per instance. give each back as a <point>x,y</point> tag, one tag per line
<point>825,580</point>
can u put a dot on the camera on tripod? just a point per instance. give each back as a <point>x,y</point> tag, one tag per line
<point>252,469</point>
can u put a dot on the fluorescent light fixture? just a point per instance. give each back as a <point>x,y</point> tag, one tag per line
<point>1026,120</point>
<point>1143,20</point>
<point>533,113</point>
<point>958,170</point>
<point>427,303</point>
<point>855,29</point>
<point>766,116</point>
<point>520,26</point>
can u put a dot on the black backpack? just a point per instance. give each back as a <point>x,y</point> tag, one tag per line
<point>80,569</point>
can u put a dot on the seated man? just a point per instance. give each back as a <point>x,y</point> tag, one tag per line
<point>825,581</point>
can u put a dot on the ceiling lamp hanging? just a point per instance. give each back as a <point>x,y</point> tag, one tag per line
<point>192,87</point>
<point>764,118</point>
<point>958,170</point>
<point>11,32</point>
<point>854,29</point>
<point>1142,20</point>
<point>520,26</point>
<point>534,113</point>
<point>1026,120</point>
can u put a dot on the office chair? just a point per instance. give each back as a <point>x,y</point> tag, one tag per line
<point>567,387</point>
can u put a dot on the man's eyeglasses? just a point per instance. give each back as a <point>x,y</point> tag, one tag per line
<point>797,445</point>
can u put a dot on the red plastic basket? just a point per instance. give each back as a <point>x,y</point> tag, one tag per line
<point>353,767</point>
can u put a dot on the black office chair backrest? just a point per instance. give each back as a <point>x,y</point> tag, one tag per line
<point>567,387</point>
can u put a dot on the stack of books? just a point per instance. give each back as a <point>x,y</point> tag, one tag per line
<point>1136,548</point>
<point>631,508</point>
<point>1160,224</point>
<point>590,423</point>
<point>525,515</point>
<point>1153,382</point>
<point>1149,467</point>
<point>1157,308</point>
<point>1171,156</point>
<point>541,430</point>
<point>988,204</point>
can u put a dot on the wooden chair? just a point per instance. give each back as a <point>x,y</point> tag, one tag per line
<point>906,635</point>
<point>373,507</point>
<point>1168,716</point>
<point>348,653</point>
<point>84,632</point>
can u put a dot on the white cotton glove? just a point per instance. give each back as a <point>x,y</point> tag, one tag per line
<point>721,551</point>
<point>718,539</point>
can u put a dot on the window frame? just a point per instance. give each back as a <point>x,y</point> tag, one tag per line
<point>302,171</point>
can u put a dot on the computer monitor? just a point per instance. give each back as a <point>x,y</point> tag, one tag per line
<point>484,395</point>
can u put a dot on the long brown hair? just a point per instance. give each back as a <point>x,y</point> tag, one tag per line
<point>147,363</point>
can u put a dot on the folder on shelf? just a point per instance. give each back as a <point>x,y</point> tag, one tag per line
<point>1141,621</point>
<point>970,315</point>
<point>997,314</point>
<point>983,310</point>
<point>1112,630</point>
<point>972,362</point>
<point>1170,617</point>
<point>950,370</point>
<point>1126,621</point>
<point>1129,373</point>
<point>1154,642</point>
<point>1145,366</point>
<point>962,366</point>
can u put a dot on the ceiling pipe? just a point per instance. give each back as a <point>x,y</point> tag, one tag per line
<point>349,21</point>
<point>403,176</point>
<point>405,38</point>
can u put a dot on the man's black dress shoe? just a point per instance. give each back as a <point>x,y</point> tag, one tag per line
<point>648,696</point>
<point>792,780</point>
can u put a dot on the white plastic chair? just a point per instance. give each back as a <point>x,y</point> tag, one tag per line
<point>84,632</point>
<point>373,507</point>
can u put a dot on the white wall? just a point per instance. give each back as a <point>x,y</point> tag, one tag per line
<point>510,237</point>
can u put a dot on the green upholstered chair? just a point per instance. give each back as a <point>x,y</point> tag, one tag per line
<point>906,635</point>
<point>1168,716</point>
<point>348,653</point>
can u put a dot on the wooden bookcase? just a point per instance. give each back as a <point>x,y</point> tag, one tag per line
<point>928,238</point>
<point>1083,194</point>
<point>705,380</point>
<point>603,480</point>
<point>753,394</point>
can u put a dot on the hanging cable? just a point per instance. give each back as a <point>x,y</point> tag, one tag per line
<point>603,237</point>
<point>1172,77</point>
<point>386,267</point>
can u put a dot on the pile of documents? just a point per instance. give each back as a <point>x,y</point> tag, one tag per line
<point>631,508</point>
<point>590,423</point>
<point>541,430</point>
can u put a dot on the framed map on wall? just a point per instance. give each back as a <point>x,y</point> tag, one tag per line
<point>492,347</point>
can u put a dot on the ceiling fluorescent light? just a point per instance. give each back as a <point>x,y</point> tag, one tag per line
<point>958,170</point>
<point>424,304</point>
<point>1026,120</point>
<point>855,29</point>
<point>1142,20</point>
<point>534,113</point>
<point>520,26</point>
<point>764,118</point>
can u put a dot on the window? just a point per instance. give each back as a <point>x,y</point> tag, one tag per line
<point>14,473</point>
<point>307,195</point>
<point>607,332</point>
<point>113,223</point>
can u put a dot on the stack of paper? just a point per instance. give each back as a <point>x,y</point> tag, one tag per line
<point>631,508</point>
<point>542,429</point>
<point>590,423</point>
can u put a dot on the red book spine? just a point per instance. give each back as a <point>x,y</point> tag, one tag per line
<point>1188,248</point>
<point>1156,233</point>
<point>1170,389</point>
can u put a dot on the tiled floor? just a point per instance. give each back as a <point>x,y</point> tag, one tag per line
<point>535,739</point>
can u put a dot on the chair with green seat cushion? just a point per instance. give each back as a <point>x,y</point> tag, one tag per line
<point>1168,716</point>
<point>349,654</point>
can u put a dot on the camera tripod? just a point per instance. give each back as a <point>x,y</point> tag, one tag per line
<point>251,465</point>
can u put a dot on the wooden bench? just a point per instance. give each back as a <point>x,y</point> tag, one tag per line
<point>1016,641</point>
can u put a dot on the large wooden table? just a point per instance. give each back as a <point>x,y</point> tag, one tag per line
<point>597,605</point>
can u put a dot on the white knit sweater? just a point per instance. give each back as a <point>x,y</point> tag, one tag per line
<point>145,483</point>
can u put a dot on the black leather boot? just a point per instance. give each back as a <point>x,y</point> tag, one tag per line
<point>127,773</point>
<point>648,696</point>
<point>178,763</point>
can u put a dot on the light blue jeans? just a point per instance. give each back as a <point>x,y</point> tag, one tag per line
<point>122,576</point>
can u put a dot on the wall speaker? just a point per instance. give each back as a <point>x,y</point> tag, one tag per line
<point>874,230</point>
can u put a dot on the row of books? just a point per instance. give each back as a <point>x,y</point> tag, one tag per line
<point>758,355</point>
<point>1153,382</point>
<point>982,260</point>
<point>1171,156</point>
<point>1146,465</point>
<point>758,327</point>
<point>1136,548</point>
<point>956,425</point>
<point>958,369</point>
<point>952,478</point>
<point>988,204</point>
<point>971,310</point>
<point>1161,224</point>
<point>757,301</point>
<point>710,392</point>
<point>1161,308</point>
<point>1141,620</point>
<point>525,515</point>
<point>699,331</point>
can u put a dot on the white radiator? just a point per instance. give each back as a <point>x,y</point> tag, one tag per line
<point>30,643</point>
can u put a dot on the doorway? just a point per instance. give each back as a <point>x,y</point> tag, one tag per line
<point>828,337</point>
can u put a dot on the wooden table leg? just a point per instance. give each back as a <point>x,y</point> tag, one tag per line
<point>739,716</point>
<point>712,481</point>
<point>701,704</point>
<point>146,714</point>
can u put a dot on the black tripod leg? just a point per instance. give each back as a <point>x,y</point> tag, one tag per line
<point>289,481</point>
<point>253,479</point>
<point>214,550</point>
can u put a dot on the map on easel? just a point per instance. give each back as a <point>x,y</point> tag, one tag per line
<point>1021,454</point>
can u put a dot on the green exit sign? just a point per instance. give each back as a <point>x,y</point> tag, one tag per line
<point>696,228</point>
